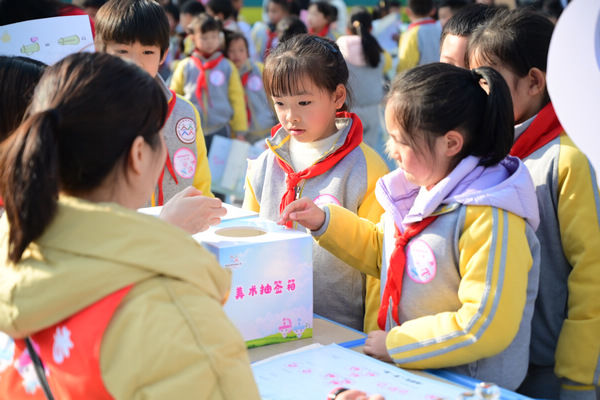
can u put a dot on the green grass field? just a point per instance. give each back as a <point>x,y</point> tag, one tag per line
<point>277,338</point>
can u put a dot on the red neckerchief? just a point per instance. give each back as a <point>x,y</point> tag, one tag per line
<point>1,202</point>
<point>271,35</point>
<point>245,77</point>
<point>322,33</point>
<point>201,84</point>
<point>544,128</point>
<point>69,10</point>
<point>393,284</point>
<point>425,21</point>
<point>161,197</point>
<point>354,138</point>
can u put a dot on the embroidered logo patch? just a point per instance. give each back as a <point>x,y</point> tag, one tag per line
<point>217,77</point>
<point>421,264</point>
<point>186,130</point>
<point>325,199</point>
<point>254,83</point>
<point>184,163</point>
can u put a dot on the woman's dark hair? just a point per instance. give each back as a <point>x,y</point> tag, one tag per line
<point>518,39</point>
<point>432,99</point>
<point>224,7</point>
<point>329,11</point>
<point>360,24</point>
<point>204,23</point>
<point>291,6</point>
<point>128,21</point>
<point>18,77</point>
<point>84,116</point>
<point>305,56</point>
<point>12,11</point>
<point>290,26</point>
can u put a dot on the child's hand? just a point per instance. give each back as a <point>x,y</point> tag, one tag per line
<point>191,211</point>
<point>375,346</point>
<point>305,212</point>
<point>354,394</point>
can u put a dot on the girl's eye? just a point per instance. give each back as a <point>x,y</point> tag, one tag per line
<point>121,51</point>
<point>304,103</point>
<point>148,52</point>
<point>278,103</point>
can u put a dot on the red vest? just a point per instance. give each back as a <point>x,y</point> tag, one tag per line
<point>70,352</point>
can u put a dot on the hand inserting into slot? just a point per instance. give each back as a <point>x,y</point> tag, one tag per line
<point>193,212</point>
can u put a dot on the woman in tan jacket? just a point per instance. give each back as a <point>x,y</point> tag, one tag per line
<point>116,304</point>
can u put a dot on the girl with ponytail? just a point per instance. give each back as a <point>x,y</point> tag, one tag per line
<point>455,249</point>
<point>102,290</point>
<point>367,64</point>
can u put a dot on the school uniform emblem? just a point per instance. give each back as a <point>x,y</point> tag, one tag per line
<point>184,163</point>
<point>186,130</point>
<point>217,77</point>
<point>325,199</point>
<point>421,264</point>
<point>254,83</point>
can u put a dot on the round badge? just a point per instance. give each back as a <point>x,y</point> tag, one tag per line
<point>420,261</point>
<point>186,130</point>
<point>325,199</point>
<point>217,77</point>
<point>184,163</point>
<point>254,83</point>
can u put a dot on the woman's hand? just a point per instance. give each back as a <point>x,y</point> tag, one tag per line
<point>305,212</point>
<point>191,211</point>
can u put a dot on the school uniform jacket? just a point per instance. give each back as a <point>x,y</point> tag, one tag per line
<point>169,336</point>
<point>420,44</point>
<point>223,104</point>
<point>566,324</point>
<point>186,149</point>
<point>261,115</point>
<point>470,281</point>
<point>339,290</point>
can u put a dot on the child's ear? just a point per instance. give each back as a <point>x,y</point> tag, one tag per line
<point>453,143</point>
<point>536,82</point>
<point>164,57</point>
<point>339,96</point>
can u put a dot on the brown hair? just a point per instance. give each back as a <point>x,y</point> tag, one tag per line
<point>86,112</point>
<point>305,56</point>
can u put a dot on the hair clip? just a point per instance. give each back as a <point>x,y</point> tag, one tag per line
<point>356,24</point>
<point>326,43</point>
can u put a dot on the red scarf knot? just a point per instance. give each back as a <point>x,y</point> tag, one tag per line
<point>395,274</point>
<point>353,140</point>
<point>201,84</point>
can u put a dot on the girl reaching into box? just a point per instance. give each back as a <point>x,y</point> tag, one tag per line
<point>456,249</point>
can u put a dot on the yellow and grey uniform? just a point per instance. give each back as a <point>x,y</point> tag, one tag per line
<point>471,311</point>
<point>565,340</point>
<point>339,290</point>
<point>224,106</point>
<point>184,131</point>
<point>262,117</point>
<point>419,45</point>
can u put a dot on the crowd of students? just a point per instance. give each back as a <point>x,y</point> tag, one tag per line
<point>454,220</point>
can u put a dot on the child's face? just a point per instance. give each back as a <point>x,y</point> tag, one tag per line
<point>237,52</point>
<point>453,50</point>
<point>184,20</point>
<point>146,57</point>
<point>524,105</point>
<point>423,168</point>
<point>275,13</point>
<point>315,20</point>
<point>207,42</point>
<point>309,115</point>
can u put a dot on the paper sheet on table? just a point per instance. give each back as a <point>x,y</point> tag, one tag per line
<point>313,373</point>
<point>48,39</point>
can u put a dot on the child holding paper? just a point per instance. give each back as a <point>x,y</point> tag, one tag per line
<point>316,151</point>
<point>456,248</point>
